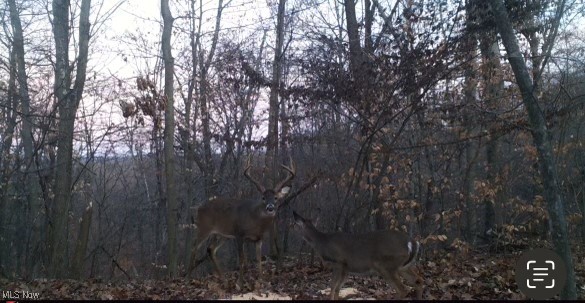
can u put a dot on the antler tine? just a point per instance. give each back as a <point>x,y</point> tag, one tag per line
<point>291,169</point>
<point>291,175</point>
<point>249,162</point>
<point>256,183</point>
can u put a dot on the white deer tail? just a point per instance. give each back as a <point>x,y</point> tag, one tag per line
<point>413,253</point>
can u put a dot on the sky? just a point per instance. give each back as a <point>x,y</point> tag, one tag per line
<point>142,18</point>
<point>145,16</point>
<point>127,17</point>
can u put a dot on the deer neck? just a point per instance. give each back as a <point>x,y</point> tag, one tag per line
<point>260,213</point>
<point>314,236</point>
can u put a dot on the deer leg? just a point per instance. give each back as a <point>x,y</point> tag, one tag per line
<point>193,263</point>
<point>274,238</point>
<point>212,251</point>
<point>414,278</point>
<point>391,276</point>
<point>240,246</point>
<point>339,276</point>
<point>259,257</point>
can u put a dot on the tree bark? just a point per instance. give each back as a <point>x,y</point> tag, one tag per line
<point>494,86</point>
<point>208,167</point>
<point>272,141</point>
<point>271,161</point>
<point>67,103</point>
<point>169,151</point>
<point>355,49</point>
<point>542,142</point>
<point>368,22</point>
<point>6,164</point>
<point>187,137</point>
<point>32,189</point>
<point>206,161</point>
<point>81,246</point>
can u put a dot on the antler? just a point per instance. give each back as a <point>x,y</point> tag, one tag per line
<point>247,174</point>
<point>291,175</point>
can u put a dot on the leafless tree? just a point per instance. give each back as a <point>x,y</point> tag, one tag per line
<point>541,136</point>
<point>169,140</point>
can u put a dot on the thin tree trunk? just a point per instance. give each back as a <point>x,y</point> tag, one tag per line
<point>81,246</point>
<point>272,140</point>
<point>208,167</point>
<point>271,161</point>
<point>159,209</point>
<point>470,97</point>
<point>542,142</point>
<point>470,93</point>
<point>206,164</point>
<point>284,155</point>
<point>494,85</point>
<point>187,134</point>
<point>169,140</point>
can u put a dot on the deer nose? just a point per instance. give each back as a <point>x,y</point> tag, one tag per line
<point>270,207</point>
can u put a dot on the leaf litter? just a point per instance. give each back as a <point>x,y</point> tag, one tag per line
<point>447,276</point>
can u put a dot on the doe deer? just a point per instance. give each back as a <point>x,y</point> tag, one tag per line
<point>240,219</point>
<point>389,253</point>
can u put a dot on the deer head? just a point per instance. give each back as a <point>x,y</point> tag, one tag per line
<point>272,195</point>
<point>241,219</point>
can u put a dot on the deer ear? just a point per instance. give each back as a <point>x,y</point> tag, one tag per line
<point>298,219</point>
<point>316,221</point>
<point>283,192</point>
<point>317,217</point>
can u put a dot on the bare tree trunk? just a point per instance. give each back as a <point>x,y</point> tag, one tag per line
<point>208,167</point>
<point>6,164</point>
<point>542,142</point>
<point>470,96</point>
<point>355,49</point>
<point>187,133</point>
<point>271,161</point>
<point>276,234</point>
<point>272,140</point>
<point>169,140</point>
<point>368,22</point>
<point>68,101</point>
<point>583,204</point>
<point>494,85</point>
<point>32,189</point>
<point>470,92</point>
<point>206,163</point>
<point>159,209</point>
<point>81,246</point>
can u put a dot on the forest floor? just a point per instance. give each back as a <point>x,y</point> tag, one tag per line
<point>449,275</point>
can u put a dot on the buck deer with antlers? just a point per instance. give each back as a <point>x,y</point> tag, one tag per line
<point>389,253</point>
<point>240,219</point>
